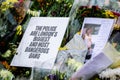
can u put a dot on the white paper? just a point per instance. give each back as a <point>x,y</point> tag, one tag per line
<point>100,31</point>
<point>93,66</point>
<point>45,57</point>
<point>76,43</point>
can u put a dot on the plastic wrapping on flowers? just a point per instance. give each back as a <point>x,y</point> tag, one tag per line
<point>14,18</point>
<point>67,62</point>
<point>92,8</point>
<point>99,9</point>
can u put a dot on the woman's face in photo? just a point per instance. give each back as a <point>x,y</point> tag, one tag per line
<point>89,31</point>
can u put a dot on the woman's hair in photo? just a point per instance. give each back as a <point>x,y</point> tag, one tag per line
<point>88,29</point>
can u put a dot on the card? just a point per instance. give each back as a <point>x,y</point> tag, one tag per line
<point>40,43</point>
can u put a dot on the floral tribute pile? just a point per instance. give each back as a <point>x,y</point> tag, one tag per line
<point>14,18</point>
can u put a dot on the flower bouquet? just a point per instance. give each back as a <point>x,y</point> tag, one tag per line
<point>15,18</point>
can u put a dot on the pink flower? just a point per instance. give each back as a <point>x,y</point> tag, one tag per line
<point>21,1</point>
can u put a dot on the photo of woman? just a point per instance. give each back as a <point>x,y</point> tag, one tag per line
<point>88,34</point>
<point>88,37</point>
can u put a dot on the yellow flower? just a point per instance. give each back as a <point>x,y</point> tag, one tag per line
<point>108,13</point>
<point>19,30</point>
<point>76,65</point>
<point>116,27</point>
<point>7,4</point>
<point>62,48</point>
<point>11,1</point>
<point>78,32</point>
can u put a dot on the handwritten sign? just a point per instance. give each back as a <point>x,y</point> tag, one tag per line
<point>40,43</point>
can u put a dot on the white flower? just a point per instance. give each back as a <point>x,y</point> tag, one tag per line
<point>5,74</point>
<point>33,13</point>
<point>75,64</point>
<point>110,73</point>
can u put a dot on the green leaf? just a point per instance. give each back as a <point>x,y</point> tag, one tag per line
<point>1,22</point>
<point>1,67</point>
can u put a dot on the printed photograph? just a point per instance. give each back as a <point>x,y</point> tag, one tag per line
<point>89,33</point>
<point>93,28</point>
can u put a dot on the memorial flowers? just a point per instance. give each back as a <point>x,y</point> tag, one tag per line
<point>19,30</point>
<point>111,74</point>
<point>59,8</point>
<point>109,13</point>
<point>7,4</point>
<point>71,65</point>
<point>116,27</point>
<point>94,11</point>
<point>33,13</point>
<point>75,65</point>
<point>6,75</point>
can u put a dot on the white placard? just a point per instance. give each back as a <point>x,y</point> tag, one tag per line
<point>40,43</point>
<point>96,32</point>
